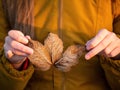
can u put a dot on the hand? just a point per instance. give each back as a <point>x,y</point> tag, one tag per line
<point>15,47</point>
<point>105,43</point>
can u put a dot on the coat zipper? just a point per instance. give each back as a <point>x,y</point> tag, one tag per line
<point>60,8</point>
<point>59,24</point>
<point>60,12</point>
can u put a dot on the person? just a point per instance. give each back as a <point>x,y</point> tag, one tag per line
<point>94,23</point>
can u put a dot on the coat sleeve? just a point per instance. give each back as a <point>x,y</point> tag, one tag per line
<point>112,67</point>
<point>10,78</point>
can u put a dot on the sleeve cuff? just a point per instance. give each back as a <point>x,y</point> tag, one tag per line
<point>27,69</point>
<point>111,63</point>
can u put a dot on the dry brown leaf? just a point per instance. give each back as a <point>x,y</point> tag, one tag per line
<point>70,57</point>
<point>51,53</point>
<point>55,46</point>
<point>40,58</point>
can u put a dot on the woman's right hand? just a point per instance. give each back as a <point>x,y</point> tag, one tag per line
<point>15,48</point>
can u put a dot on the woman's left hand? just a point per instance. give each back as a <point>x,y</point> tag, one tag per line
<point>105,43</point>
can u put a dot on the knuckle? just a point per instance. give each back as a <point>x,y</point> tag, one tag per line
<point>11,32</point>
<point>104,30</point>
<point>19,53</point>
<point>18,46</point>
<point>4,46</point>
<point>19,33</point>
<point>99,36</point>
<point>117,44</point>
<point>91,45</point>
<point>112,34</point>
<point>15,34</point>
<point>112,54</point>
<point>14,31</point>
<point>118,41</point>
<point>18,38</point>
<point>7,38</point>
<point>21,39</point>
<point>103,44</point>
<point>92,53</point>
<point>22,48</point>
<point>15,51</point>
<point>107,51</point>
<point>13,44</point>
<point>115,52</point>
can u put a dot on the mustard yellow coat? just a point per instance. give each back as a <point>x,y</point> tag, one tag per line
<point>75,21</point>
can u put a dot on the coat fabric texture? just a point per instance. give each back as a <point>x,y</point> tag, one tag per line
<point>80,20</point>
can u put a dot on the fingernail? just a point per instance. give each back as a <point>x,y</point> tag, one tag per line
<point>27,37</point>
<point>9,54</point>
<point>23,40</point>
<point>87,48</point>
<point>87,57</point>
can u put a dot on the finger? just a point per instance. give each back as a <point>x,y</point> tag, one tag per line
<point>102,53</point>
<point>18,36</point>
<point>17,59</point>
<point>18,46</point>
<point>115,52</point>
<point>97,39</point>
<point>111,47</point>
<point>101,46</point>
<point>9,54</point>
<point>12,57</point>
<point>14,51</point>
<point>22,48</point>
<point>19,53</point>
<point>28,37</point>
<point>87,44</point>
